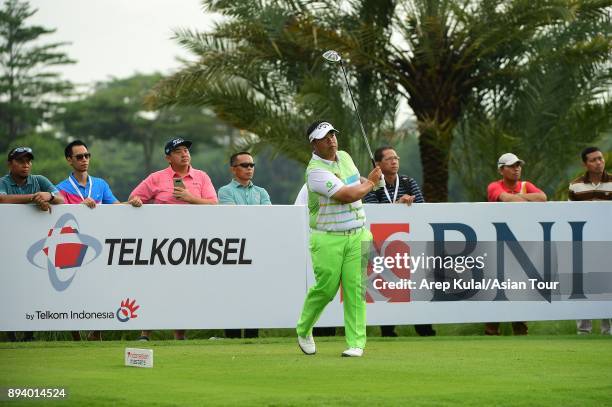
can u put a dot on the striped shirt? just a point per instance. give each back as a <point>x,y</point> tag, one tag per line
<point>407,186</point>
<point>324,178</point>
<point>582,189</point>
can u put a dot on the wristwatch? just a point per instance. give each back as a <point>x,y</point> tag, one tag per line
<point>52,196</point>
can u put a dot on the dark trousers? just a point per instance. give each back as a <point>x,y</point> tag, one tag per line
<point>388,331</point>
<point>324,331</point>
<point>421,330</point>
<point>425,330</point>
<point>27,336</point>
<point>518,328</point>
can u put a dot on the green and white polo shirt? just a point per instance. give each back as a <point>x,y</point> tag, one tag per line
<point>324,178</point>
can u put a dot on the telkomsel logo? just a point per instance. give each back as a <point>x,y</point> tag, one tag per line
<point>127,310</point>
<point>64,251</point>
<point>388,241</point>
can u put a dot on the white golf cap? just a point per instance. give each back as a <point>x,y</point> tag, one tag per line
<point>508,159</point>
<point>321,131</point>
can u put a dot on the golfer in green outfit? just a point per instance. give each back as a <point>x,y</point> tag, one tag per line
<point>337,222</point>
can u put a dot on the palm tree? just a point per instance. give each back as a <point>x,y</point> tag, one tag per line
<point>454,54</point>
<point>256,72</point>
<point>558,103</point>
<point>261,69</point>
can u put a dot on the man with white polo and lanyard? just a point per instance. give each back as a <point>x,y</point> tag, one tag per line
<point>337,221</point>
<point>82,188</point>
<point>19,186</point>
<point>400,189</point>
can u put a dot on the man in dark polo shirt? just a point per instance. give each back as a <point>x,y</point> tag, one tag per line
<point>21,187</point>
<point>594,185</point>
<point>398,189</point>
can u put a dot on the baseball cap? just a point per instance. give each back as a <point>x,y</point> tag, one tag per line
<point>321,131</point>
<point>20,152</point>
<point>171,145</point>
<point>508,159</point>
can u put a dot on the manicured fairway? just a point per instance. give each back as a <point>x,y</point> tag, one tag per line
<point>519,371</point>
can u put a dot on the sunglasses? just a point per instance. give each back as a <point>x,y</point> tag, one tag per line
<point>245,165</point>
<point>22,150</point>
<point>79,157</point>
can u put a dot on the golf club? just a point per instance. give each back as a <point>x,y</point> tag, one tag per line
<point>333,56</point>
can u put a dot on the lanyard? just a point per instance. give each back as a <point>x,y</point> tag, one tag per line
<point>76,188</point>
<point>396,189</point>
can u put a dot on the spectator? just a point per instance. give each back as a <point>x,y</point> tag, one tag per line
<point>160,188</point>
<point>398,189</point>
<point>594,185</point>
<point>511,189</point>
<point>81,188</point>
<point>20,187</point>
<point>337,222</point>
<point>242,191</point>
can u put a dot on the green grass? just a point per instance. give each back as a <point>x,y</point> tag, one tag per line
<point>518,371</point>
<point>535,328</point>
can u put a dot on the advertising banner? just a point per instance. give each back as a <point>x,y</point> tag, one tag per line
<point>199,267</point>
<point>159,266</point>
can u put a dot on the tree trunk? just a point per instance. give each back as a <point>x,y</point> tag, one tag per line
<point>434,159</point>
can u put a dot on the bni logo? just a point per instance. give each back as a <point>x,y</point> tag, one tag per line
<point>127,310</point>
<point>64,251</point>
<point>388,240</point>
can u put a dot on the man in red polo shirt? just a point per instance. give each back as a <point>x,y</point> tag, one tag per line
<point>511,189</point>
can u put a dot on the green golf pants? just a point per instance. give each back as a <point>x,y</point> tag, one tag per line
<point>337,259</point>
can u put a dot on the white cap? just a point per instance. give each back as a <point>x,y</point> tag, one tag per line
<point>508,159</point>
<point>321,131</point>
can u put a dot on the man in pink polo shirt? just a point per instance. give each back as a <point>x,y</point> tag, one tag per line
<point>161,188</point>
<point>511,189</point>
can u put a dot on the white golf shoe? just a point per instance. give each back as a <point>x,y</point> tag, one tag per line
<point>353,352</point>
<point>307,344</point>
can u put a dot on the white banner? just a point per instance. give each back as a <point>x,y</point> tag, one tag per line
<point>199,267</point>
<point>159,266</point>
<point>580,234</point>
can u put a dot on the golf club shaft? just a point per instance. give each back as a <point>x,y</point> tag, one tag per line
<point>363,133</point>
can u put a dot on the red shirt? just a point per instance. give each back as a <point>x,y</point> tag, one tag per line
<point>158,187</point>
<point>496,188</point>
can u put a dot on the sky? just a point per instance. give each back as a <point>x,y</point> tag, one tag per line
<point>117,38</point>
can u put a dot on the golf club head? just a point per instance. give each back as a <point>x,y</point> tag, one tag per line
<point>332,56</point>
